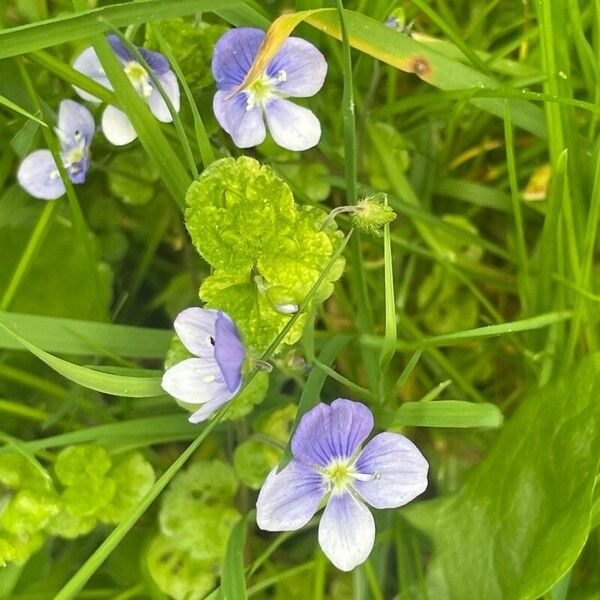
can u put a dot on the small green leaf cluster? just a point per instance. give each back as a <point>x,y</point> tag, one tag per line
<point>266,251</point>
<point>195,520</point>
<point>254,458</point>
<point>27,504</point>
<point>89,487</point>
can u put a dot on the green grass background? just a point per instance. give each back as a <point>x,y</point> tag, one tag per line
<point>471,325</point>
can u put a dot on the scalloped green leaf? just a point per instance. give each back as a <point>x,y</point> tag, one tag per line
<point>236,211</point>
<point>178,574</point>
<point>265,250</point>
<point>16,473</point>
<point>76,463</point>
<point>133,476</point>
<point>253,460</point>
<point>28,511</point>
<point>67,525</point>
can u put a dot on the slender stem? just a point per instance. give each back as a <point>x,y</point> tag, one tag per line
<point>357,276</point>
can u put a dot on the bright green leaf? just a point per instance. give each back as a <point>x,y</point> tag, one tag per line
<point>523,517</point>
<point>133,476</point>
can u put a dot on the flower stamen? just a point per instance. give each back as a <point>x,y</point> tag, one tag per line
<point>139,78</point>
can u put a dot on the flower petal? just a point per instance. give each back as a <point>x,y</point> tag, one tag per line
<point>209,408</point>
<point>156,61</point>
<point>38,176</point>
<point>229,351</point>
<point>234,54</point>
<point>400,467</point>
<point>304,66</point>
<point>195,326</point>
<point>289,499</point>
<point>246,127</point>
<point>326,433</point>
<point>293,127</point>
<point>78,171</point>
<point>88,64</point>
<point>195,380</point>
<point>119,48</point>
<point>117,127</point>
<point>156,103</point>
<point>346,531</point>
<point>74,119</point>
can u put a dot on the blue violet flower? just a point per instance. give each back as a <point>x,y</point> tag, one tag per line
<point>38,173</point>
<point>329,467</point>
<point>298,70</point>
<point>215,375</point>
<point>116,125</point>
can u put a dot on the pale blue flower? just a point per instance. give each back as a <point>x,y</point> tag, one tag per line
<point>116,125</point>
<point>215,375</point>
<point>298,70</point>
<point>329,466</point>
<point>38,173</point>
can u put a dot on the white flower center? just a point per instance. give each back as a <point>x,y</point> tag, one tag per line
<point>77,151</point>
<point>340,474</point>
<point>139,78</point>
<point>263,88</point>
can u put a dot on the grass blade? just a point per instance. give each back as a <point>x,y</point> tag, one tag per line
<point>66,28</point>
<point>116,385</point>
<point>233,581</point>
<point>443,413</point>
<point>84,338</point>
<point>172,172</point>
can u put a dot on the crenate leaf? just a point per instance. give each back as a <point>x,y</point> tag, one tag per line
<point>175,571</point>
<point>266,251</point>
<point>524,515</point>
<point>77,463</point>
<point>133,476</point>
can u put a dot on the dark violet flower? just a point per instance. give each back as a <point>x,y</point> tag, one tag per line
<point>329,465</point>
<point>38,173</point>
<point>116,125</point>
<point>298,70</point>
<point>215,375</point>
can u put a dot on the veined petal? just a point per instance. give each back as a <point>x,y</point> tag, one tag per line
<point>288,499</point>
<point>117,127</point>
<point>156,103</point>
<point>327,433</point>
<point>75,120</point>
<point>346,531</point>
<point>38,176</point>
<point>293,127</point>
<point>195,380</point>
<point>210,407</point>
<point>195,328</point>
<point>246,127</point>
<point>229,351</point>
<point>304,66</point>
<point>119,48</point>
<point>88,64</point>
<point>234,54</point>
<point>156,61</point>
<point>400,469</point>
